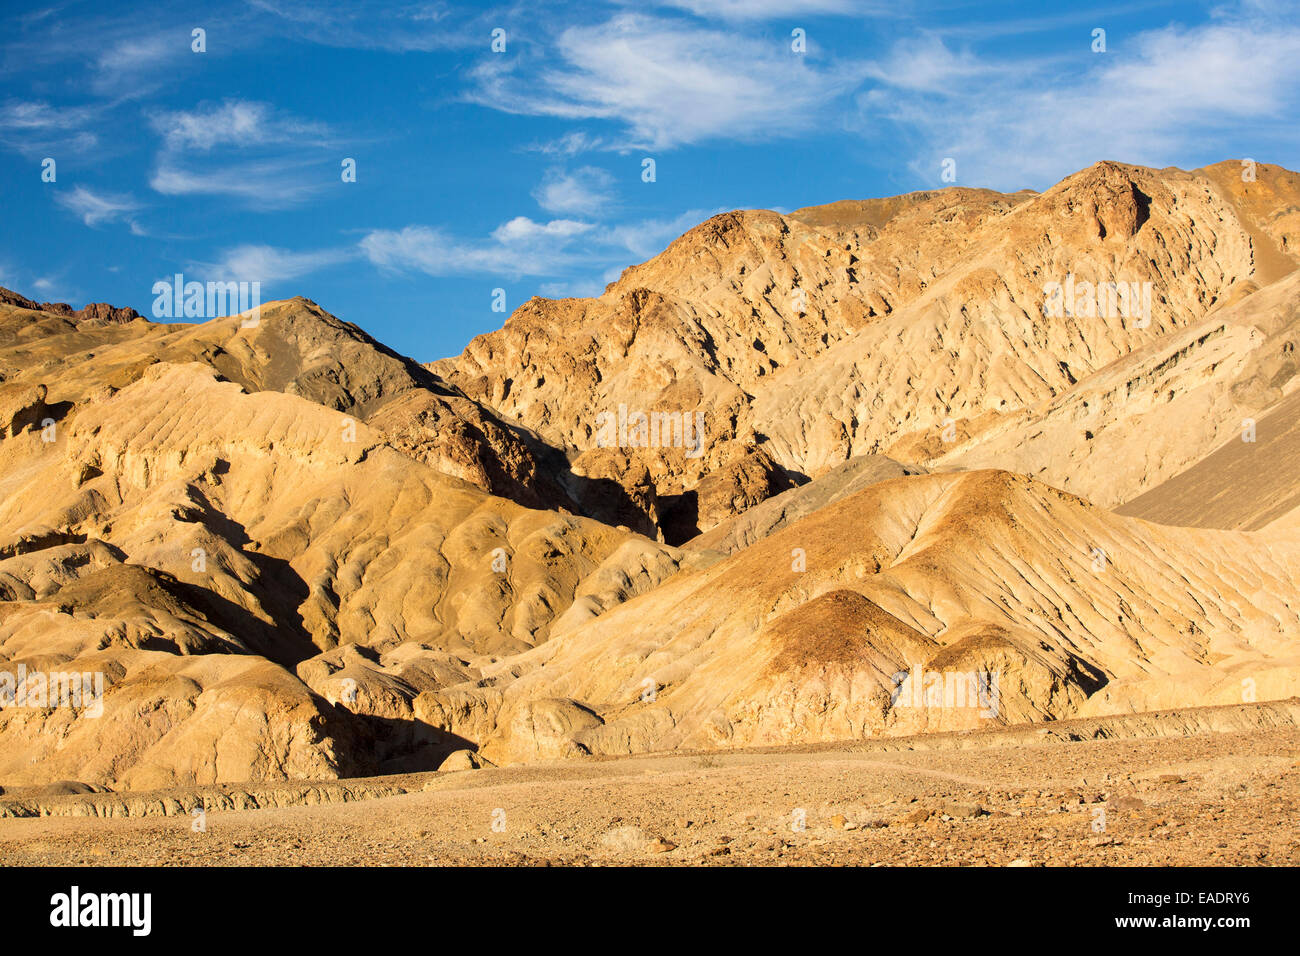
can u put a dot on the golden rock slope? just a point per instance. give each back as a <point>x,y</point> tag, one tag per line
<point>916,328</point>
<point>197,544</point>
<point>799,636</point>
<point>292,553</point>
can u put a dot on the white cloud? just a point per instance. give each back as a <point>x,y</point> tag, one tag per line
<point>198,146</point>
<point>925,64</point>
<point>266,185</point>
<point>585,191</point>
<point>422,249</point>
<point>53,289</point>
<point>39,115</point>
<point>102,50</point>
<point>1170,95</point>
<point>134,64</point>
<point>522,230</point>
<point>524,247</point>
<point>649,237</point>
<point>771,9</point>
<point>374,24</point>
<point>96,208</point>
<point>570,144</point>
<point>518,247</point>
<point>234,123</point>
<point>259,263</point>
<point>669,83</point>
<point>138,52</point>
<point>37,128</point>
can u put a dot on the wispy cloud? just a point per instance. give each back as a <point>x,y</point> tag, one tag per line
<point>48,287</point>
<point>234,123</point>
<point>772,9</point>
<point>95,209</point>
<point>131,65</point>
<point>54,289</point>
<point>584,191</point>
<point>517,248</point>
<point>647,237</point>
<point>268,185</point>
<point>205,152</point>
<point>667,82</point>
<point>267,264</point>
<point>568,145</point>
<point>34,127</point>
<point>925,64</point>
<point>524,247</point>
<point>1172,94</point>
<point>105,54</point>
<point>587,255</point>
<point>24,116</point>
<point>374,25</point>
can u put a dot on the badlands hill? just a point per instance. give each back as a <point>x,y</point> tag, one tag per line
<point>293,553</point>
<point>915,328</point>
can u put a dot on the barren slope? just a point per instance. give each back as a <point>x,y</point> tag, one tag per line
<point>973,573</point>
<point>292,553</point>
<point>294,347</point>
<point>913,327</point>
<point>179,525</point>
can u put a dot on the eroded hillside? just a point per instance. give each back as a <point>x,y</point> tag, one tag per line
<point>289,552</point>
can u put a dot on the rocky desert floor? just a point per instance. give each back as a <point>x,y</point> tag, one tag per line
<point>998,799</point>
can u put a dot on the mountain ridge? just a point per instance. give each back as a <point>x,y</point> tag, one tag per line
<point>911,458</point>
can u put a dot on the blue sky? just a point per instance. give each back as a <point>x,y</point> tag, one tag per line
<point>522,169</point>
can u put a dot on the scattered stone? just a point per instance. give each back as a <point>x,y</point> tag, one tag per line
<point>627,840</point>
<point>463,760</point>
<point>1126,803</point>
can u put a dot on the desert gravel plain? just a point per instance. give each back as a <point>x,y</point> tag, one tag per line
<point>1026,796</point>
